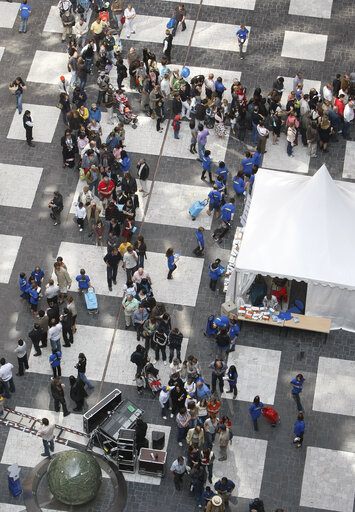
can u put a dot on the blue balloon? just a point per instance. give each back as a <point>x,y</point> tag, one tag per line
<point>185,72</point>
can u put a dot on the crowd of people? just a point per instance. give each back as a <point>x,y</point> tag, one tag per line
<point>103,164</point>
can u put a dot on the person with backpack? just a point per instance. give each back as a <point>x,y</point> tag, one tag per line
<point>176,126</point>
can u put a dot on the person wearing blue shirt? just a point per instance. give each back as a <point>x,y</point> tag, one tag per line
<point>223,171</point>
<point>54,361</point>
<point>220,184</point>
<point>255,411</point>
<point>250,183</point>
<point>215,200</point>
<point>297,386</point>
<point>299,430</point>
<point>215,274</point>
<point>83,281</point>
<point>207,495</point>
<point>172,259</point>
<point>34,298</point>
<point>232,378</point>
<point>202,390</point>
<point>219,86</point>
<point>247,164</point>
<point>228,211</point>
<point>112,140</point>
<point>38,275</point>
<point>257,159</point>
<point>242,35</point>
<point>95,113</point>
<point>238,183</point>
<point>222,320</point>
<point>224,488</point>
<point>125,161</point>
<point>206,166</point>
<point>200,241</point>
<point>25,11</point>
<point>233,333</point>
<point>24,286</point>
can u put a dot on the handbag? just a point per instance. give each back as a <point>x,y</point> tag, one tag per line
<point>59,105</point>
<point>171,23</point>
<point>123,20</point>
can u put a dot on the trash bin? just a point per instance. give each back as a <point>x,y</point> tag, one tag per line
<point>13,476</point>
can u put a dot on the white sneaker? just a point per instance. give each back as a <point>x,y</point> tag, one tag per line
<point>153,362</point>
<point>165,363</point>
<point>180,444</point>
<point>171,415</point>
<point>165,418</point>
<point>81,229</point>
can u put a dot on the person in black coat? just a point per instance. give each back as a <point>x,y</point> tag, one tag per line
<point>77,392</point>
<point>70,147</point>
<point>139,358</point>
<point>129,184</point>
<point>141,432</point>
<point>67,321</point>
<point>177,105</point>
<point>168,45</point>
<point>177,396</point>
<point>28,125</point>
<point>36,335</point>
<point>53,312</point>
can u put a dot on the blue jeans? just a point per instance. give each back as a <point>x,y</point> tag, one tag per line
<point>346,130</point>
<point>182,431</point>
<point>289,148</point>
<point>88,62</point>
<point>83,377</point>
<point>19,102</point>
<point>117,18</point>
<point>94,185</point>
<point>82,83</point>
<point>296,397</point>
<point>214,382</point>
<point>171,353</point>
<point>209,439</point>
<point>9,386</point>
<point>201,150</point>
<point>64,116</point>
<point>176,134</point>
<point>56,344</point>
<point>254,132</point>
<point>48,445</point>
<point>23,25</point>
<point>73,79</point>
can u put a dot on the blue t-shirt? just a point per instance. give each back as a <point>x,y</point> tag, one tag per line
<point>219,86</point>
<point>171,264</point>
<point>214,273</point>
<point>38,275</point>
<point>223,172</point>
<point>25,11</point>
<point>24,285</point>
<point>233,376</point>
<point>206,163</point>
<point>257,158</point>
<point>215,197</point>
<point>83,281</point>
<point>295,383</point>
<point>247,165</point>
<point>54,359</point>
<point>126,163</point>
<point>299,427</point>
<point>199,238</point>
<point>95,114</point>
<point>227,211</point>
<point>238,185</point>
<point>34,297</point>
<point>233,331</point>
<point>242,34</point>
<point>255,410</point>
<point>222,321</point>
<point>251,181</point>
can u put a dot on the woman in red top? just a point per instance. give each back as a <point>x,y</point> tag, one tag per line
<point>213,406</point>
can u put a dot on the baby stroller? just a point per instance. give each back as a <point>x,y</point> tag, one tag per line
<point>151,378</point>
<point>91,301</point>
<point>124,110</point>
<point>209,118</point>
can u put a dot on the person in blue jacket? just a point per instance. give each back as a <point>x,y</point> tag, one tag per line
<point>200,241</point>
<point>233,333</point>
<point>34,298</point>
<point>299,430</point>
<point>54,361</point>
<point>25,11</point>
<point>215,274</point>
<point>206,166</point>
<point>238,183</point>
<point>95,113</point>
<point>211,327</point>
<point>38,274</point>
<point>247,164</point>
<point>24,286</point>
<point>214,200</point>
<point>297,386</point>
<point>222,320</point>
<point>172,259</point>
<point>125,161</point>
<point>255,411</point>
<point>83,281</point>
<point>112,141</point>
<point>232,378</point>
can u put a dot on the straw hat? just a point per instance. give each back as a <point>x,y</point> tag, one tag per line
<point>217,500</point>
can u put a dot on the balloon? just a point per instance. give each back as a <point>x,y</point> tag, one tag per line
<point>185,72</point>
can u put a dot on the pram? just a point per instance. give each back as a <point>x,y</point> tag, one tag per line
<point>124,110</point>
<point>91,301</point>
<point>151,378</point>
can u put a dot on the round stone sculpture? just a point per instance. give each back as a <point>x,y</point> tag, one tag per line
<point>74,477</point>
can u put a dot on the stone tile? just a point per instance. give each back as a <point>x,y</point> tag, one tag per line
<point>121,372</point>
<point>179,290</point>
<point>10,246</point>
<point>306,46</point>
<point>28,179</point>
<point>258,371</point>
<point>328,480</point>
<point>278,159</point>
<point>2,49</point>
<point>349,168</point>
<point>53,22</point>
<point>235,4</point>
<point>45,120</point>
<point>334,385</point>
<point>8,14</point>
<point>247,477</point>
<point>315,9</point>
<point>47,67</point>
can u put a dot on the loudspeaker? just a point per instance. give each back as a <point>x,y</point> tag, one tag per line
<point>158,440</point>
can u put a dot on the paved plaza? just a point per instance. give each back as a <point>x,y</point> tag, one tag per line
<point>286,36</point>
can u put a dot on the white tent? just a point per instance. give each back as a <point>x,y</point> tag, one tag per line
<point>302,227</point>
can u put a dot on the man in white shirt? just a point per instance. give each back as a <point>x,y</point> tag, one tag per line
<point>348,118</point>
<point>81,28</point>
<point>165,86</point>
<point>21,352</point>
<point>6,376</point>
<point>177,470</point>
<point>130,262</point>
<point>141,274</point>
<point>54,334</point>
<point>51,292</point>
<point>270,301</point>
<point>209,85</point>
<point>47,431</point>
<point>328,92</point>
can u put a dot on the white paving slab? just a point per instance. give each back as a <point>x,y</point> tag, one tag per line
<point>53,23</point>
<point>26,449</point>
<point>120,371</point>
<point>278,159</point>
<point>258,371</point>
<point>146,140</point>
<point>235,4</point>
<point>87,339</point>
<point>8,14</point>
<point>328,480</point>
<point>315,9</point>
<point>45,120</point>
<point>180,290</point>
<point>303,45</point>
<point>349,166</point>
<point>246,476</point>
<point>47,67</point>
<point>7,507</point>
<point>10,246</point>
<point>216,36</point>
<point>334,386</point>
<point>2,49</point>
<point>27,180</point>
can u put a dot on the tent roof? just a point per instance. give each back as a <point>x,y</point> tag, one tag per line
<point>301,227</point>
